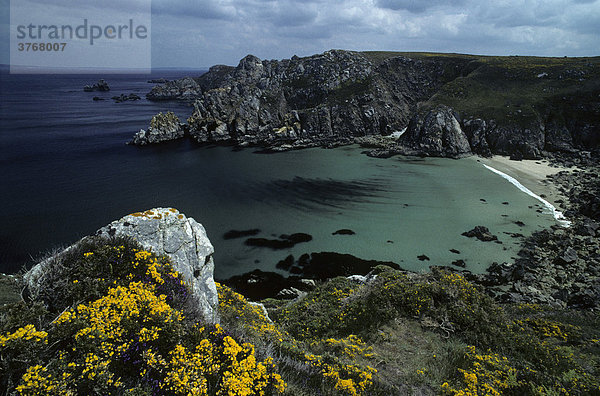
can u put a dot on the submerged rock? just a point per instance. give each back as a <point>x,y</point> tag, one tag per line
<point>284,241</point>
<point>343,231</point>
<point>233,234</point>
<point>163,127</point>
<point>482,233</point>
<point>258,285</point>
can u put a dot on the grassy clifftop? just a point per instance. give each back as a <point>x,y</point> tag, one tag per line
<point>515,89</point>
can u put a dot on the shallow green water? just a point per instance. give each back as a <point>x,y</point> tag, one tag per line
<point>400,208</point>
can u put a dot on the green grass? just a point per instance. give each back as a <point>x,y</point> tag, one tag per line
<point>401,333</point>
<point>508,90</point>
<point>424,329</point>
<point>10,291</point>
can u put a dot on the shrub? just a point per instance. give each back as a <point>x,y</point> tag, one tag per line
<point>132,339</point>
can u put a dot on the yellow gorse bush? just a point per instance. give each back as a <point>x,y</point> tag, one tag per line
<point>489,374</point>
<point>131,338</point>
<point>347,379</point>
<point>27,333</point>
<point>351,346</point>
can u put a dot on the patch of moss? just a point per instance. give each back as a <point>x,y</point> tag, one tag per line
<point>350,89</point>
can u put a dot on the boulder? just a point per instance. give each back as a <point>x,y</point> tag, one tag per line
<point>163,231</point>
<point>163,127</point>
<point>436,132</point>
<point>569,256</point>
<point>166,231</point>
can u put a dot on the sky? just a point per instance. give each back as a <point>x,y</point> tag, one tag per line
<point>199,33</point>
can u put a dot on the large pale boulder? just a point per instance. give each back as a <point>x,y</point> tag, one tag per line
<point>163,231</point>
<point>166,231</point>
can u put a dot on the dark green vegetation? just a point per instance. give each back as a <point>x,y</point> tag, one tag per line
<point>398,333</point>
<point>515,90</point>
<point>439,333</point>
<point>9,289</point>
<point>111,319</point>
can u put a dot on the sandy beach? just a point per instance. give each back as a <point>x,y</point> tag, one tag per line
<point>531,173</point>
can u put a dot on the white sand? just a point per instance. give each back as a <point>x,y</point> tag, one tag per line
<point>530,173</point>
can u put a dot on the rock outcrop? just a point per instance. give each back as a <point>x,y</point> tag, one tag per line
<point>185,89</point>
<point>125,98</point>
<point>436,132</point>
<point>326,99</point>
<point>164,231</point>
<point>169,232</point>
<point>339,96</point>
<point>101,86</point>
<point>163,128</point>
<point>482,233</point>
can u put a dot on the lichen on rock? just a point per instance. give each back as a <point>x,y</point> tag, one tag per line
<point>163,231</point>
<point>163,127</point>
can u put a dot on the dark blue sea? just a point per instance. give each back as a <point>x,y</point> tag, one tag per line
<point>65,171</point>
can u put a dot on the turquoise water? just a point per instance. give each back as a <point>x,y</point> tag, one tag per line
<point>66,172</point>
<point>399,208</point>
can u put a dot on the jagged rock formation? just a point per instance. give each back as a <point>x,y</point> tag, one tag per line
<point>163,127</point>
<point>437,133</point>
<point>164,231</point>
<point>183,89</point>
<point>338,96</point>
<point>319,100</point>
<point>101,86</point>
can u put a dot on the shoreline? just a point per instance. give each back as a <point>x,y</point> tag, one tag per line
<point>532,174</point>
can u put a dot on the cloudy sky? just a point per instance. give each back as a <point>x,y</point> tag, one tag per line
<point>198,33</point>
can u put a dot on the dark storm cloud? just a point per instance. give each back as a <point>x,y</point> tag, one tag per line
<point>202,32</point>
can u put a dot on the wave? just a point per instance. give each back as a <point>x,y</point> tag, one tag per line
<point>558,215</point>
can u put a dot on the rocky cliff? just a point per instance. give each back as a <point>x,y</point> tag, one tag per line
<point>506,105</point>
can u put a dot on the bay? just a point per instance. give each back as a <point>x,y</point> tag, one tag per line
<point>66,171</point>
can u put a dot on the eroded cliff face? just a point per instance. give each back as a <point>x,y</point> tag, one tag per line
<point>335,97</point>
<point>319,100</point>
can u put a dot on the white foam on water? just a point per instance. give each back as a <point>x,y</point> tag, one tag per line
<point>558,215</point>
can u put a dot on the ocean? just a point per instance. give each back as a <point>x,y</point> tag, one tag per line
<point>66,171</point>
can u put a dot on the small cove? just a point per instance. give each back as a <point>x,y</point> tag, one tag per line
<point>67,172</point>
